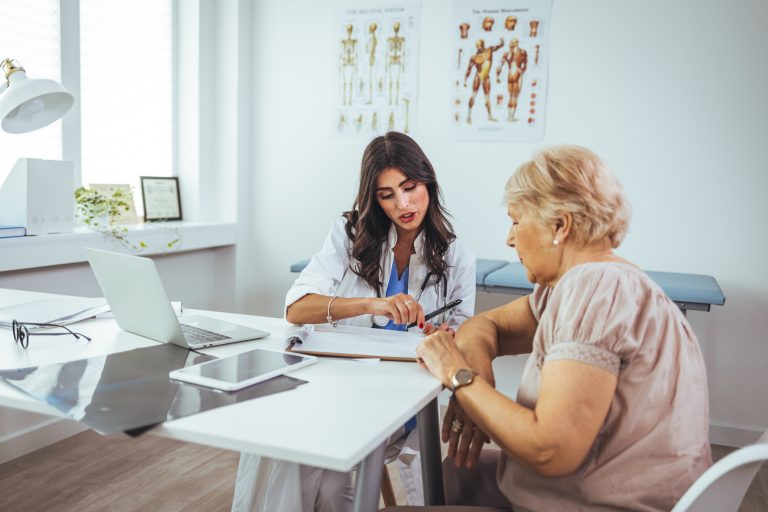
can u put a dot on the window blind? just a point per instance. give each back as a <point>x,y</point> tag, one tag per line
<point>126,85</point>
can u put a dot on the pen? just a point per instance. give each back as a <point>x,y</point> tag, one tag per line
<point>436,312</point>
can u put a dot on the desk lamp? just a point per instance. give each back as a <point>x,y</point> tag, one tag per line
<point>28,104</point>
<point>37,194</point>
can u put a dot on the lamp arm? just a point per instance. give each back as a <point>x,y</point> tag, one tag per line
<point>9,66</point>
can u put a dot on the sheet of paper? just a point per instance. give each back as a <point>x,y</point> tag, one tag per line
<point>53,311</point>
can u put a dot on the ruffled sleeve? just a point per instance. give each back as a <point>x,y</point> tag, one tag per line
<point>590,316</point>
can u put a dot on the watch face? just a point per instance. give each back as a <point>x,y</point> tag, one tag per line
<point>462,377</point>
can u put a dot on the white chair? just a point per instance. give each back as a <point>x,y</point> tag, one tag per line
<point>723,486</point>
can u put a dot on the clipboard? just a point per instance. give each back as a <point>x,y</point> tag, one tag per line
<point>355,342</point>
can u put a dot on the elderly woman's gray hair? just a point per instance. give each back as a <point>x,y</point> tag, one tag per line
<point>572,179</point>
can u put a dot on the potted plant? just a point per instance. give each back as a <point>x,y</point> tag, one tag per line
<point>100,212</point>
<point>101,208</point>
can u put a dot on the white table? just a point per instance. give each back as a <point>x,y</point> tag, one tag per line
<point>341,418</point>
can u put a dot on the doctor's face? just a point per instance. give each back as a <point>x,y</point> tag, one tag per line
<point>404,201</point>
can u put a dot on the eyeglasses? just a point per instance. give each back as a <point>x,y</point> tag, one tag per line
<point>21,333</point>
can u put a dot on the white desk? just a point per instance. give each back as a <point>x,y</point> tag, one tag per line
<point>342,417</point>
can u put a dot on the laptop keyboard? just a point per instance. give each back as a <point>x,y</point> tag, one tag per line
<point>196,336</point>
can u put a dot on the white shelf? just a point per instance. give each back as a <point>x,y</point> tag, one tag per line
<point>61,249</point>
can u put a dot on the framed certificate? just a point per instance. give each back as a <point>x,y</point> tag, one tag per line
<point>160,196</point>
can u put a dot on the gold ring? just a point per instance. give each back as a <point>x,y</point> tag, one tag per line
<point>457,426</point>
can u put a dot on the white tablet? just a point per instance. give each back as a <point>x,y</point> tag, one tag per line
<point>242,370</point>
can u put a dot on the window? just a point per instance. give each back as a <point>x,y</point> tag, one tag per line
<point>126,87</point>
<point>125,96</point>
<point>29,33</point>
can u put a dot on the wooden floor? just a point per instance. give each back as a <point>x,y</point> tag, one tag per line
<point>89,472</point>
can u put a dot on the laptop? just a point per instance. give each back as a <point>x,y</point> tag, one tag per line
<point>135,293</point>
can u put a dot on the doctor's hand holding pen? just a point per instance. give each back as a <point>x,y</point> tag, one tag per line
<point>400,308</point>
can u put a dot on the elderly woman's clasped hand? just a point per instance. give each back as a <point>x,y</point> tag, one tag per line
<point>439,354</point>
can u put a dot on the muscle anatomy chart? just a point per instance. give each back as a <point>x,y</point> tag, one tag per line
<point>501,54</point>
<point>377,68</point>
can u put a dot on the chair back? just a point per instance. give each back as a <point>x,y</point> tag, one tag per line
<point>723,486</point>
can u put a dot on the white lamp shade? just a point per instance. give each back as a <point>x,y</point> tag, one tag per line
<point>29,104</point>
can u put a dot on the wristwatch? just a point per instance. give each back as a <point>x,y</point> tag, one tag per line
<point>461,377</point>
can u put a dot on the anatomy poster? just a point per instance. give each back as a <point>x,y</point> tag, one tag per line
<point>500,56</point>
<point>377,68</point>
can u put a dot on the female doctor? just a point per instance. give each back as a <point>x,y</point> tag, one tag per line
<point>386,263</point>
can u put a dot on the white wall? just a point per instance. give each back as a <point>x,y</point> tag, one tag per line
<point>671,94</point>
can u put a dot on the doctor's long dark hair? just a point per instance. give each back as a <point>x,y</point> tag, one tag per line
<point>367,224</point>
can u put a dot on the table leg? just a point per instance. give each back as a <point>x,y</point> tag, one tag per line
<point>431,458</point>
<point>368,483</point>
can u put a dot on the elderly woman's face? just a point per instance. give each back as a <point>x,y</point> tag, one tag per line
<point>533,243</point>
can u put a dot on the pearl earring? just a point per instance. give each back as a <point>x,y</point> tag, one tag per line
<point>555,242</point>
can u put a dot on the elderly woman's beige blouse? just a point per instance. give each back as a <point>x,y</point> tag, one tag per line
<point>654,442</point>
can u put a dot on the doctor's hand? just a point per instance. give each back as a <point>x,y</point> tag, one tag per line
<point>429,329</point>
<point>400,308</point>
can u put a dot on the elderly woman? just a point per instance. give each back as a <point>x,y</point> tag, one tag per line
<point>612,411</point>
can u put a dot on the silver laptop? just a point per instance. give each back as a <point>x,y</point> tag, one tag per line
<point>134,291</point>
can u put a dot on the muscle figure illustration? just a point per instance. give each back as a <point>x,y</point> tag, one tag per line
<point>534,28</point>
<point>458,65</point>
<point>348,66</point>
<point>395,62</point>
<point>517,60</point>
<point>510,22</point>
<point>391,122</point>
<point>464,30</point>
<point>488,23</point>
<point>370,47</point>
<point>481,62</point>
<point>536,55</point>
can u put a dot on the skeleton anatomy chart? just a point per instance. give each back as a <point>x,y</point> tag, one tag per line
<point>500,57</point>
<point>377,69</point>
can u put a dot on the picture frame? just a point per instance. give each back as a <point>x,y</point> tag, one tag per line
<point>160,197</point>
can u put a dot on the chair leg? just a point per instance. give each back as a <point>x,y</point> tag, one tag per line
<point>387,493</point>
